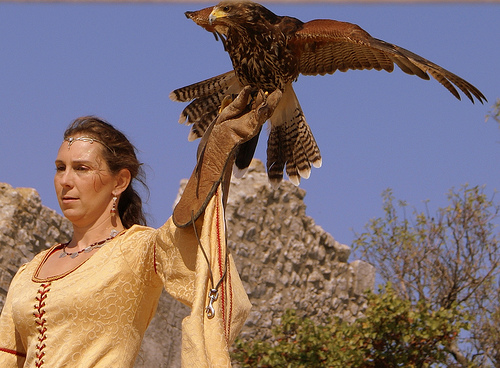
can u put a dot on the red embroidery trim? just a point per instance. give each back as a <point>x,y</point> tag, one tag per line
<point>154,258</point>
<point>41,323</point>
<point>218,224</point>
<point>230,288</point>
<point>222,259</point>
<point>9,351</point>
<point>219,251</point>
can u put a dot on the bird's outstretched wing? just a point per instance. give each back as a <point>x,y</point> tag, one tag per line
<point>324,46</point>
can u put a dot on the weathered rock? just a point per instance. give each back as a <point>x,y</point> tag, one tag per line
<point>285,260</point>
<point>26,228</point>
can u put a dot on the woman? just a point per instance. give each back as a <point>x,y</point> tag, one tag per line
<point>88,302</point>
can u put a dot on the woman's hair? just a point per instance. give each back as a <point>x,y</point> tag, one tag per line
<point>119,154</point>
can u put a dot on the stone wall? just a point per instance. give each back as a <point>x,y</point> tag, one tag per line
<point>284,259</point>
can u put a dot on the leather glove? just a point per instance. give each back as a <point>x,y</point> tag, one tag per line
<point>237,123</point>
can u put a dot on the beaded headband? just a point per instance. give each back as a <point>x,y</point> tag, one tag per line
<point>72,140</point>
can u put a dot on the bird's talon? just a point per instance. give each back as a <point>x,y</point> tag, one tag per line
<point>225,102</point>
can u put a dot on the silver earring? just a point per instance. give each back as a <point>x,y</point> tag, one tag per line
<point>113,209</point>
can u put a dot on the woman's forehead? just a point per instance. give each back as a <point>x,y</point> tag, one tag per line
<point>80,150</point>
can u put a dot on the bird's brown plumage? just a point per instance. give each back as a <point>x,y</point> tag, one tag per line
<point>270,51</point>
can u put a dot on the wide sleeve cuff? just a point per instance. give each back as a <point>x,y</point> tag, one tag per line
<point>207,334</point>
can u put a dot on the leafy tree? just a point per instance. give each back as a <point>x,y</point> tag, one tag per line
<point>445,260</point>
<point>393,333</point>
<point>440,306</point>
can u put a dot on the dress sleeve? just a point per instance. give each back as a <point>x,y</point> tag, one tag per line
<point>175,252</point>
<point>12,351</point>
<point>195,268</point>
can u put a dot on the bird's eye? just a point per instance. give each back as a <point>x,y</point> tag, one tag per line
<point>226,8</point>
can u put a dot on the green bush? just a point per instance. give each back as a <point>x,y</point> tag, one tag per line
<point>393,333</point>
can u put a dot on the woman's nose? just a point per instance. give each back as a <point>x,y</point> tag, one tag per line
<point>65,178</point>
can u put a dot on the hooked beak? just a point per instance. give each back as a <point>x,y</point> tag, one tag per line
<point>215,14</point>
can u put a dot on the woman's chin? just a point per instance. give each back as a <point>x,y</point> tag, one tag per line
<point>71,214</point>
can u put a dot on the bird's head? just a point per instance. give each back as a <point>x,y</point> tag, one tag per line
<point>201,18</point>
<point>223,10</point>
<point>234,13</point>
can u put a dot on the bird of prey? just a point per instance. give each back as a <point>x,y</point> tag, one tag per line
<point>269,52</point>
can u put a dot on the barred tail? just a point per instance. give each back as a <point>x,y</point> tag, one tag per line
<point>291,144</point>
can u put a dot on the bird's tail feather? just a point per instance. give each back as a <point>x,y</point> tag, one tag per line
<point>291,144</point>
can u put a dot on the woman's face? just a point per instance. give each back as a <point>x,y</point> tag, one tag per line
<point>83,183</point>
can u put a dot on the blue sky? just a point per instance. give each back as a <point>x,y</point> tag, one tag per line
<point>375,130</point>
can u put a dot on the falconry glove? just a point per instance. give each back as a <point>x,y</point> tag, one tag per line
<point>237,123</point>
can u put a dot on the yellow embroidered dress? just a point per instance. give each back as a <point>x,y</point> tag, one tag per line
<point>96,314</point>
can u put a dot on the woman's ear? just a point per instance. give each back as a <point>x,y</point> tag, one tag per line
<point>122,179</point>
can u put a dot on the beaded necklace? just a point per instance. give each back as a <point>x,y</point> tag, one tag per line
<point>88,248</point>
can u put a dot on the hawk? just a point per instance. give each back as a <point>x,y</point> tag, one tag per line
<point>269,52</point>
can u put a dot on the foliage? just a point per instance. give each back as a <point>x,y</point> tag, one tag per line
<point>393,333</point>
<point>451,258</point>
<point>441,305</point>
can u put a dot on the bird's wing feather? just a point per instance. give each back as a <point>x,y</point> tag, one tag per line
<point>204,88</point>
<point>206,97</point>
<point>325,46</point>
